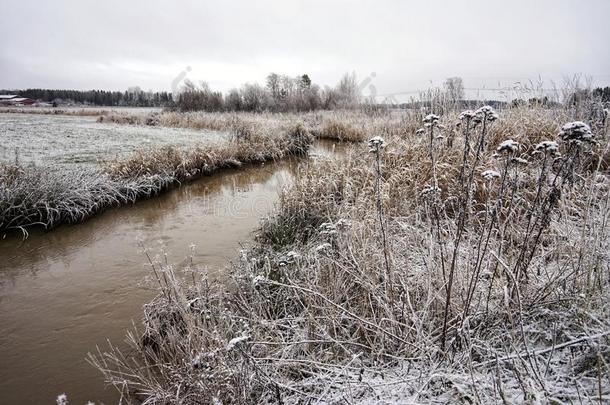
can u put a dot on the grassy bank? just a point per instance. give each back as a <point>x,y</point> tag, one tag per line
<point>83,112</point>
<point>347,125</point>
<point>343,125</point>
<point>453,263</point>
<point>47,196</point>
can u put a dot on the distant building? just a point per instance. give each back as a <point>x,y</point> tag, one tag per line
<point>15,100</point>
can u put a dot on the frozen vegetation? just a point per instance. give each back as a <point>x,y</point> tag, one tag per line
<point>68,140</point>
<point>458,257</point>
<point>67,169</point>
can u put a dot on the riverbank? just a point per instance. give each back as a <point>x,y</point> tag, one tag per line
<point>356,125</point>
<point>62,293</point>
<point>448,263</point>
<point>47,197</point>
<point>342,125</point>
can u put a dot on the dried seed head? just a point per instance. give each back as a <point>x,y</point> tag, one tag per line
<point>62,399</point>
<point>549,147</point>
<point>323,246</point>
<point>293,255</point>
<point>328,228</point>
<point>466,115</point>
<point>519,161</point>
<point>430,190</point>
<point>431,120</point>
<point>576,131</point>
<point>490,175</point>
<point>486,112</point>
<point>420,131</point>
<point>508,146</point>
<point>343,223</point>
<point>376,143</point>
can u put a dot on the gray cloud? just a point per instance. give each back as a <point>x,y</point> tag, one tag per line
<point>409,44</point>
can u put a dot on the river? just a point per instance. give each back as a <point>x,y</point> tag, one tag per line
<point>64,292</point>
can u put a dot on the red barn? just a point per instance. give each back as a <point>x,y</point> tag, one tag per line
<point>12,99</point>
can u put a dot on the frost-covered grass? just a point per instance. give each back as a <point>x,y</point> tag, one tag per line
<point>84,111</point>
<point>80,112</point>
<point>349,125</point>
<point>458,264</point>
<point>33,195</point>
<point>343,125</point>
<point>80,141</point>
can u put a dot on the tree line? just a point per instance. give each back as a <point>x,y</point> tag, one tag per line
<point>132,97</point>
<point>281,93</point>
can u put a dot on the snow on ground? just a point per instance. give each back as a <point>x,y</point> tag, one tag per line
<point>56,139</point>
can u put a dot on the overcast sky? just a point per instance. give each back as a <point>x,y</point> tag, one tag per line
<point>408,45</point>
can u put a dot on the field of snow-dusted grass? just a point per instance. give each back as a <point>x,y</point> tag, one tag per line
<point>462,260</point>
<point>57,139</point>
<point>65,169</point>
<point>342,125</point>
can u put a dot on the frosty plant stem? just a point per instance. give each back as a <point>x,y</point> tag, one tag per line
<point>547,149</point>
<point>466,118</point>
<point>431,121</point>
<point>376,144</point>
<point>483,115</point>
<point>575,134</point>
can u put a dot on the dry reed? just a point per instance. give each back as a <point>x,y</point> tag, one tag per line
<point>515,314</point>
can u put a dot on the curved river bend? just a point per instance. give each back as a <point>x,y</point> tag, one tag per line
<point>68,290</point>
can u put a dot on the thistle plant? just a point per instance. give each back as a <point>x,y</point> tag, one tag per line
<point>483,116</point>
<point>576,132</point>
<point>465,123</point>
<point>430,122</point>
<point>328,317</point>
<point>507,152</point>
<point>605,122</point>
<point>376,146</point>
<point>548,150</point>
<point>576,135</point>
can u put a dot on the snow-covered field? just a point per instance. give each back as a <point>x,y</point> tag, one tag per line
<point>75,140</point>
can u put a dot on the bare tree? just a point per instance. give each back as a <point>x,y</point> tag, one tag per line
<point>273,85</point>
<point>454,89</point>
<point>347,91</point>
<point>280,93</point>
<point>233,101</point>
<point>255,98</point>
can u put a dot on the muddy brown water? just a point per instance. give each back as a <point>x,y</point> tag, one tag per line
<point>64,292</point>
